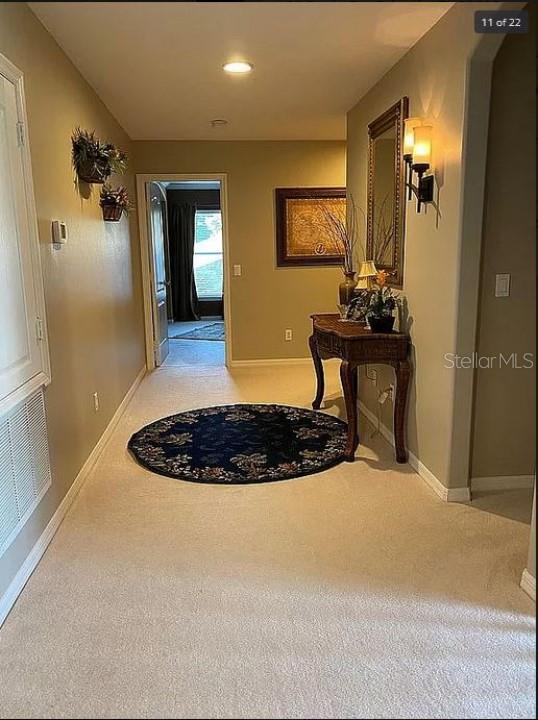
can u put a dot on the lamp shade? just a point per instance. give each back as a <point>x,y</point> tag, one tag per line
<point>367,269</point>
<point>409,135</point>
<point>422,149</point>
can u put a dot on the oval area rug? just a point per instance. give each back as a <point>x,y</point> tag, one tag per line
<point>238,444</point>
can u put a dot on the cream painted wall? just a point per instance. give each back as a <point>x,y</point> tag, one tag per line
<point>92,285</point>
<point>504,428</point>
<point>433,74</point>
<point>265,300</point>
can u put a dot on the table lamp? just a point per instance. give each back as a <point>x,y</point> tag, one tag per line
<point>367,273</point>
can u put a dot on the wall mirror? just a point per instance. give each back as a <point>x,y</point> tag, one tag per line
<point>386,192</point>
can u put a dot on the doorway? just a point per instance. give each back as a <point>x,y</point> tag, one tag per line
<point>183,231</point>
<point>503,427</point>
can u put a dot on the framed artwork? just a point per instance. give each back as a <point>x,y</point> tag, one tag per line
<point>302,237</point>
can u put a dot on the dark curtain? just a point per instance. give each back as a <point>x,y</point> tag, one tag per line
<point>181,237</point>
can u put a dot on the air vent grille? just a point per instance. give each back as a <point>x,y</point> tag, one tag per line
<point>24,465</point>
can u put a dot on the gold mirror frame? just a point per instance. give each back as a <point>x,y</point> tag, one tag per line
<point>393,117</point>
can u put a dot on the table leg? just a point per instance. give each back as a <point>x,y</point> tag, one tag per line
<point>318,366</point>
<point>403,374</point>
<point>348,376</point>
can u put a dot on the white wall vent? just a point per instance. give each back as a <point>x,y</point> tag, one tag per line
<point>24,465</point>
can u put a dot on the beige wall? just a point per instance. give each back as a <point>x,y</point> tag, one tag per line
<point>433,75</point>
<point>265,300</point>
<point>91,284</point>
<point>504,413</point>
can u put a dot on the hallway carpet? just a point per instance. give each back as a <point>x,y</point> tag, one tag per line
<point>354,593</point>
<point>195,353</point>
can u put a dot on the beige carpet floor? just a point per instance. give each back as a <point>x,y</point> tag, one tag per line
<point>354,593</point>
<point>193,353</point>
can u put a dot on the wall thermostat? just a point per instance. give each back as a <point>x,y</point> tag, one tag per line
<point>59,232</point>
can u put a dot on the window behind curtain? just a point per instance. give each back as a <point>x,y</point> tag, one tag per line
<point>208,254</point>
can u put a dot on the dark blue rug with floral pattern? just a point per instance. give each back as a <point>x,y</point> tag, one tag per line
<point>239,444</point>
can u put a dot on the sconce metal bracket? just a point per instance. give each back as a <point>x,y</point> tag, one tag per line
<point>423,191</point>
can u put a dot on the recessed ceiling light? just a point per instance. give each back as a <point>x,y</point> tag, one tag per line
<point>237,67</point>
<point>218,122</point>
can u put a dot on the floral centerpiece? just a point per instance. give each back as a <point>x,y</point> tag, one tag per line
<point>114,202</point>
<point>381,306</point>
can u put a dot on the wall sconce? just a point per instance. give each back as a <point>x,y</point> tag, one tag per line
<point>417,148</point>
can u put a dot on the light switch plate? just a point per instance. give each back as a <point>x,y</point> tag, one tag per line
<point>237,270</point>
<point>59,232</point>
<point>502,285</point>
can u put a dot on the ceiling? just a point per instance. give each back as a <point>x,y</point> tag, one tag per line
<point>158,65</point>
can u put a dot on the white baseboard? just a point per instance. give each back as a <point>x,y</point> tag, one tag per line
<point>16,586</point>
<point>269,362</point>
<point>502,482</point>
<point>528,584</point>
<point>456,495</point>
<point>461,494</point>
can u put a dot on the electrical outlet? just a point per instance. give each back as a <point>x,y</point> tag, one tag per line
<point>371,374</point>
<point>96,401</point>
<point>288,335</point>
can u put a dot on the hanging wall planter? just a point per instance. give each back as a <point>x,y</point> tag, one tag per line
<point>112,213</point>
<point>93,160</point>
<point>114,202</point>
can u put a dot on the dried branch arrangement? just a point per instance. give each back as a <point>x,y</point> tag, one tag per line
<point>344,227</point>
<point>384,236</point>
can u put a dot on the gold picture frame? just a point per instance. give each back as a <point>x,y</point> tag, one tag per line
<point>301,239</point>
<point>385,237</point>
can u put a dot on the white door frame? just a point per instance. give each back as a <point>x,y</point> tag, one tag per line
<point>43,378</point>
<point>146,256</point>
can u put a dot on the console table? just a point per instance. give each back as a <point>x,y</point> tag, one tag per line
<point>356,345</point>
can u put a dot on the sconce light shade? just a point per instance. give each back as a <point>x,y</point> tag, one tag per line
<point>417,153</point>
<point>409,135</point>
<point>422,148</point>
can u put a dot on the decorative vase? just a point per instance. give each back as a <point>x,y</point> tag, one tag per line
<point>381,324</point>
<point>347,288</point>
<point>112,213</point>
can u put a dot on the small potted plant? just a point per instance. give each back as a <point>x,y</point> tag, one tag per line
<point>114,202</point>
<point>93,160</point>
<point>381,305</point>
